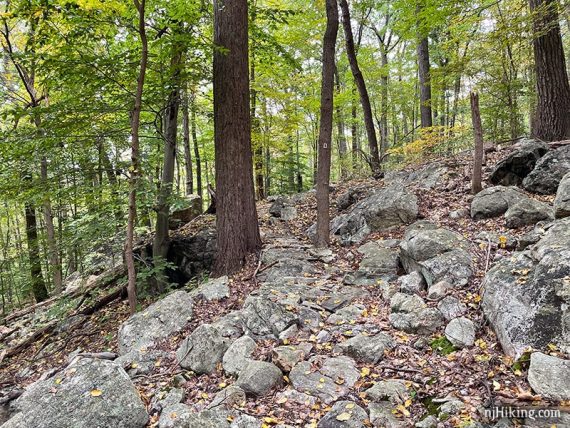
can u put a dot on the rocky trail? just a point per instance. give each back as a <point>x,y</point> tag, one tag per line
<point>430,308</point>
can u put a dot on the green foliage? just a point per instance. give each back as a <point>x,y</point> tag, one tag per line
<point>442,346</point>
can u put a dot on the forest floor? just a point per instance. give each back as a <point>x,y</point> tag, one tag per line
<point>479,375</point>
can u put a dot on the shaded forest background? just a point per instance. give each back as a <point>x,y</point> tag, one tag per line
<point>69,75</point>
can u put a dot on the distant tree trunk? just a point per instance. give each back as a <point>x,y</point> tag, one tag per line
<point>425,83</point>
<point>258,152</point>
<point>161,238</point>
<point>354,130</point>
<point>187,147</point>
<point>135,163</point>
<point>340,129</point>
<point>476,186</point>
<point>326,124</point>
<point>552,121</point>
<point>53,252</point>
<point>194,132</point>
<point>237,226</point>
<point>361,85</point>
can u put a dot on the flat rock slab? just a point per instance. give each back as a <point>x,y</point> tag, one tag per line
<point>214,289</point>
<point>368,349</point>
<point>161,319</point>
<point>88,393</point>
<point>550,376</point>
<point>344,414</point>
<point>182,416</point>
<point>309,380</point>
<point>203,349</point>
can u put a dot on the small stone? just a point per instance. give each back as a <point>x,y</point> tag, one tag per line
<point>238,354</point>
<point>259,377</point>
<point>288,213</point>
<point>289,333</point>
<point>324,336</point>
<point>428,422</point>
<point>382,415</point>
<point>439,290</point>
<point>228,397</point>
<point>368,349</point>
<point>344,414</point>
<point>412,283</point>
<point>451,307</point>
<point>549,376</point>
<point>394,391</point>
<point>451,407</point>
<point>406,303</point>
<point>461,332</point>
<point>285,357</point>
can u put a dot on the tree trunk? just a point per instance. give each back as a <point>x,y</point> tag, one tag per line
<point>193,108</point>
<point>161,238</point>
<point>135,164</point>
<point>326,124</point>
<point>354,130</point>
<point>38,285</point>
<point>53,252</point>
<point>476,186</point>
<point>552,121</point>
<point>384,100</point>
<point>361,85</point>
<point>340,129</point>
<point>237,225</point>
<point>187,148</point>
<point>425,83</point>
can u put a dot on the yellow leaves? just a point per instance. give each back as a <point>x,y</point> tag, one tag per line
<point>204,395</point>
<point>344,416</point>
<point>285,341</point>
<point>496,386</point>
<point>402,409</point>
<point>58,381</point>
<point>96,393</point>
<point>350,406</point>
<point>502,241</point>
<point>282,400</point>
<point>364,372</point>
<point>481,344</point>
<point>270,420</point>
<point>222,385</point>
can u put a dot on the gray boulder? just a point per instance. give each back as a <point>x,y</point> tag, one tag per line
<point>437,254</point>
<point>380,262</point>
<point>259,377</point>
<point>285,357</point>
<point>341,369</point>
<point>228,397</point>
<point>368,349</point>
<point>494,201</point>
<point>307,379</point>
<point>549,376</point>
<point>161,319</point>
<point>451,307</point>
<point>214,289</point>
<point>526,297</point>
<point>265,318</point>
<point>203,349</point>
<point>527,211</point>
<point>382,415</point>
<point>390,206</point>
<point>425,322</point>
<point>548,172</point>
<point>351,196</point>
<point>401,302</point>
<point>344,414</point>
<point>460,332</point>
<point>181,416</point>
<point>87,393</point>
<point>562,201</point>
<point>439,290</point>
<point>238,354</point>
<point>412,283</point>
<point>515,167</point>
<point>188,211</point>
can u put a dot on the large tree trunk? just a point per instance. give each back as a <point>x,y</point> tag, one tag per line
<point>326,125</point>
<point>135,163</point>
<point>552,117</point>
<point>237,225</point>
<point>425,83</point>
<point>361,85</point>
<point>476,186</point>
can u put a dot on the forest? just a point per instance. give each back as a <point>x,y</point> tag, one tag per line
<point>150,148</point>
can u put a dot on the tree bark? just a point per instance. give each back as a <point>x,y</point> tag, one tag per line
<point>476,186</point>
<point>425,83</point>
<point>53,251</point>
<point>326,124</point>
<point>193,127</point>
<point>135,163</point>
<point>340,129</point>
<point>236,223</point>
<point>361,85</point>
<point>38,284</point>
<point>161,239</point>
<point>552,117</point>
<point>187,149</point>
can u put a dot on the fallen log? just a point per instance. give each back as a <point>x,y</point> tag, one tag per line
<point>48,329</point>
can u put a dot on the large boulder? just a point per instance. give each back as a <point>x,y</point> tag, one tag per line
<point>562,201</point>
<point>344,414</point>
<point>526,297</point>
<point>87,393</point>
<point>437,253</point>
<point>161,319</point>
<point>264,318</point>
<point>259,377</point>
<point>527,211</point>
<point>549,376</point>
<point>188,210</point>
<point>193,254</point>
<point>514,168</point>
<point>548,173</point>
<point>380,261</point>
<point>390,206</point>
<point>368,349</point>
<point>495,201</point>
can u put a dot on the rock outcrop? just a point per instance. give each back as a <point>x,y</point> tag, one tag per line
<point>562,201</point>
<point>548,172</point>
<point>88,393</point>
<point>512,170</point>
<point>527,296</point>
<point>495,201</point>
